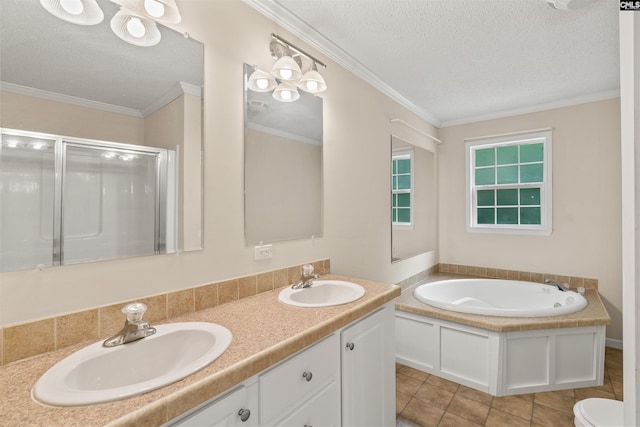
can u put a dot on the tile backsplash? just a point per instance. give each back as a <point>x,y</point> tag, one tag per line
<point>496,273</point>
<point>40,336</point>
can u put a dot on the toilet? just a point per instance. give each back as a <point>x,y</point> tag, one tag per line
<point>598,412</point>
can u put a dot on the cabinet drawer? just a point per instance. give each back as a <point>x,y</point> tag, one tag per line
<point>322,410</point>
<point>285,388</point>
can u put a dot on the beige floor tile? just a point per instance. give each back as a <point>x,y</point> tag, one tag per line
<point>556,400</point>
<point>473,394</point>
<point>617,389</point>
<point>422,413</point>
<point>401,401</point>
<point>413,373</point>
<point>546,416</point>
<point>469,409</point>
<point>453,420</point>
<point>434,395</point>
<point>403,422</point>
<point>521,407</point>
<point>498,418</point>
<point>407,385</point>
<point>442,383</point>
<point>584,393</point>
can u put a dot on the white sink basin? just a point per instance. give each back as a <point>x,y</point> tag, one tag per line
<point>97,374</point>
<point>323,293</point>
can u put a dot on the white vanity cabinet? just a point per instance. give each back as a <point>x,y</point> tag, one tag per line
<point>368,371</point>
<point>346,379</point>
<point>303,389</point>
<point>238,407</point>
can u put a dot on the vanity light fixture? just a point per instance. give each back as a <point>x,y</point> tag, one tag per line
<point>135,22</point>
<point>81,12</point>
<point>161,11</point>
<point>287,74</point>
<point>135,29</point>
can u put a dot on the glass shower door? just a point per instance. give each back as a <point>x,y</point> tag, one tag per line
<point>27,187</point>
<point>110,203</point>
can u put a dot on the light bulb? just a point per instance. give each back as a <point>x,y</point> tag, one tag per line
<point>262,83</point>
<point>312,85</point>
<point>135,27</point>
<point>154,8</point>
<point>285,73</point>
<point>38,145</point>
<point>73,7</point>
<point>285,94</point>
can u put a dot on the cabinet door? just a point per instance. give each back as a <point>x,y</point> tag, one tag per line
<point>322,410</point>
<point>238,408</point>
<point>368,371</point>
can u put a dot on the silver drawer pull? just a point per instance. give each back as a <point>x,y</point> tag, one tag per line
<point>244,414</point>
<point>307,376</point>
<point>350,346</point>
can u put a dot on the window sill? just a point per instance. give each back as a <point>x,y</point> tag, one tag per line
<point>537,231</point>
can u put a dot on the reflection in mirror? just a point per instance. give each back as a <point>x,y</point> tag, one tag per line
<point>413,200</point>
<point>283,167</point>
<point>83,82</point>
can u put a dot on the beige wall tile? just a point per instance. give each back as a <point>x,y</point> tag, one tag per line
<point>247,286</point>
<point>294,274</point>
<point>227,291</point>
<point>281,278</point>
<point>591,283</point>
<point>180,302</point>
<point>27,340</point>
<point>327,266</point>
<point>206,296</point>
<point>156,308</point>
<point>265,282</point>
<point>76,327</point>
<point>1,346</point>
<point>111,319</point>
<point>524,275</point>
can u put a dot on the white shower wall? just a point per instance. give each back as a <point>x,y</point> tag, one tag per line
<point>109,204</point>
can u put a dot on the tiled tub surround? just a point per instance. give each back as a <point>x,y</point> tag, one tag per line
<point>41,336</point>
<point>489,340</point>
<point>265,332</point>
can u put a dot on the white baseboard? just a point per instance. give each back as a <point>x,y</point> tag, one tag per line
<point>610,342</point>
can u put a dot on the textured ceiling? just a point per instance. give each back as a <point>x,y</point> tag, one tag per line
<point>42,52</point>
<point>455,61</point>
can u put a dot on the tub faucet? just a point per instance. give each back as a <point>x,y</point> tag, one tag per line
<point>306,278</point>
<point>562,286</point>
<point>134,327</point>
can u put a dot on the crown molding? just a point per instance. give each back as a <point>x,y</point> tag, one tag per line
<point>290,22</point>
<point>67,99</point>
<point>177,90</point>
<point>568,102</point>
<point>283,134</point>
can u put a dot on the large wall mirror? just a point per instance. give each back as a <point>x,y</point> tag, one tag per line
<point>72,85</point>
<point>283,167</point>
<point>413,199</point>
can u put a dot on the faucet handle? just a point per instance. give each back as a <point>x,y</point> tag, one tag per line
<point>134,311</point>
<point>307,269</point>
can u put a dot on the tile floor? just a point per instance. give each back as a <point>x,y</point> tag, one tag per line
<point>426,400</point>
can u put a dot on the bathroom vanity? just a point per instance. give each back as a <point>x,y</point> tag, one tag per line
<point>285,364</point>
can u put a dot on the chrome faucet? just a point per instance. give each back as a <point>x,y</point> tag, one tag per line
<point>562,286</point>
<point>134,327</point>
<point>306,278</point>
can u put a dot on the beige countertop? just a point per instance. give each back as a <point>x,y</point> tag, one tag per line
<point>265,332</point>
<point>593,314</point>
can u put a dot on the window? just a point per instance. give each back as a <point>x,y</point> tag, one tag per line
<point>401,185</point>
<point>509,184</point>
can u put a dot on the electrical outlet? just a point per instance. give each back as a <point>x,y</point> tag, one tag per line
<point>263,251</point>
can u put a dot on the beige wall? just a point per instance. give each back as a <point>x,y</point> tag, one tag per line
<point>42,115</point>
<point>356,185</point>
<point>586,238</point>
<point>283,188</point>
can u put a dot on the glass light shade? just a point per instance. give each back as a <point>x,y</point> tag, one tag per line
<point>81,12</point>
<point>135,29</point>
<point>261,81</point>
<point>286,69</point>
<point>312,82</point>
<point>162,11</point>
<point>285,92</point>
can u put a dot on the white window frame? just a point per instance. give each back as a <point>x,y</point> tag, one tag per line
<point>401,154</point>
<point>546,227</point>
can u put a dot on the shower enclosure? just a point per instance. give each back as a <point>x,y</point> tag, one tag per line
<point>69,200</point>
